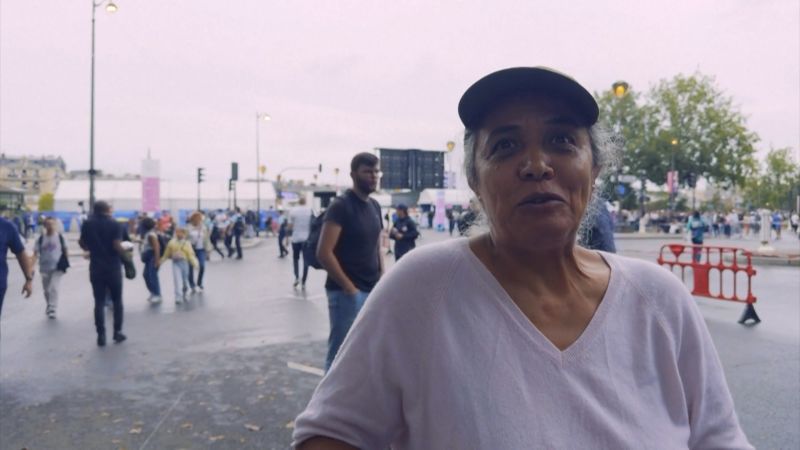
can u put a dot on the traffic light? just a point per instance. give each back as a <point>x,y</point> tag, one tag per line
<point>234,171</point>
<point>200,178</point>
<point>319,169</point>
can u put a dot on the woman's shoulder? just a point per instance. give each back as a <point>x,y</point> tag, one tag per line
<point>651,282</point>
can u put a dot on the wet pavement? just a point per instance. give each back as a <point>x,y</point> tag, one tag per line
<point>234,366</point>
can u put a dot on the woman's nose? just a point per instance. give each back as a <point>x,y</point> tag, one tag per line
<point>536,166</point>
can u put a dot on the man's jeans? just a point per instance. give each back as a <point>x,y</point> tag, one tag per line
<point>150,273</point>
<point>342,310</point>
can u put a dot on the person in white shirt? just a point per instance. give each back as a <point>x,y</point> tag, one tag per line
<point>518,338</point>
<point>299,223</point>
<point>51,252</point>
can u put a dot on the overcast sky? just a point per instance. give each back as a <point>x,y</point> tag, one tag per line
<point>185,78</point>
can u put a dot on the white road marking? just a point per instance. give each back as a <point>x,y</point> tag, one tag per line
<point>306,369</point>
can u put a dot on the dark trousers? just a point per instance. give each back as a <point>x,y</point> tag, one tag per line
<point>228,243</point>
<point>214,239</point>
<point>3,288</point>
<point>297,250</point>
<point>107,280</point>
<point>281,247</point>
<point>201,260</point>
<point>150,273</point>
<point>238,238</point>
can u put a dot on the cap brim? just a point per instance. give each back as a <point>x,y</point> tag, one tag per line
<point>486,92</point>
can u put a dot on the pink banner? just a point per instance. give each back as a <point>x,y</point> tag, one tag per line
<point>150,195</point>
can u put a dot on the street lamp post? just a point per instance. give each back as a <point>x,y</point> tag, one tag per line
<point>672,180</point>
<point>110,7</point>
<point>259,118</point>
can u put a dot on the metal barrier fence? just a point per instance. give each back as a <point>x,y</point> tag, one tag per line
<point>705,261</point>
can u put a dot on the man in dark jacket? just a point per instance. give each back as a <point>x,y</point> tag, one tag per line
<point>102,237</point>
<point>404,232</point>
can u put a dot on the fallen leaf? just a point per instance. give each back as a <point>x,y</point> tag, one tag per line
<point>260,382</point>
<point>186,425</point>
<point>290,425</point>
<point>216,438</point>
<point>136,430</point>
<point>117,420</point>
<point>252,427</point>
<point>138,423</point>
<point>105,414</point>
<point>116,441</point>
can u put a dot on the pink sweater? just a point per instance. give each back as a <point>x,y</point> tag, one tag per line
<point>441,358</point>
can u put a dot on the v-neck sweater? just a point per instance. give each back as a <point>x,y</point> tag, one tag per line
<point>441,357</point>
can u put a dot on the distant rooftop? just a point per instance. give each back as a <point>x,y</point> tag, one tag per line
<point>40,161</point>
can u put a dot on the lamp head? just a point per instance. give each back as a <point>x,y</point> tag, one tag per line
<point>111,7</point>
<point>620,88</point>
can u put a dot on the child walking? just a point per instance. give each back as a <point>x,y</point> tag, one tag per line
<point>180,251</point>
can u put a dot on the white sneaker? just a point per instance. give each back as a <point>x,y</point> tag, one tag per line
<point>51,313</point>
<point>194,290</point>
<point>155,299</point>
<point>178,300</point>
<point>199,289</point>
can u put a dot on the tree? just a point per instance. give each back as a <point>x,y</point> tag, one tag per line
<point>46,202</point>
<point>777,184</point>
<point>710,135</point>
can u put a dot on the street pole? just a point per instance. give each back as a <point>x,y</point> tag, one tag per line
<point>672,180</point>
<point>258,172</point>
<point>91,122</point>
<point>111,7</point>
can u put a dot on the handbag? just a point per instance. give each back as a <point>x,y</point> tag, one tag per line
<point>130,268</point>
<point>63,261</point>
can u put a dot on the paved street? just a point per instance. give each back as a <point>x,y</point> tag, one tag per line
<point>233,367</point>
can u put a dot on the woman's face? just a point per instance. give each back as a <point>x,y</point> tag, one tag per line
<point>534,169</point>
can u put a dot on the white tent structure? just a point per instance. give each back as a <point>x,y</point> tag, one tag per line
<point>174,195</point>
<point>452,197</point>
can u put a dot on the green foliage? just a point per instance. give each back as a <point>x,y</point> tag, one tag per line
<point>777,184</point>
<point>46,202</point>
<point>710,134</point>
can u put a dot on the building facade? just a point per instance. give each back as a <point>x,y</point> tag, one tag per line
<point>32,175</point>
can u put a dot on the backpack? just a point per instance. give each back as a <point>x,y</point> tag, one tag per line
<point>310,245</point>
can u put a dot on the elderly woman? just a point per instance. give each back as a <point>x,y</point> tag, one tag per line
<point>517,338</point>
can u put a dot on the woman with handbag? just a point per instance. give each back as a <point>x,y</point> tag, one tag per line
<point>51,252</point>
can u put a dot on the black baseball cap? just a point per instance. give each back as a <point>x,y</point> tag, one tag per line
<point>491,89</point>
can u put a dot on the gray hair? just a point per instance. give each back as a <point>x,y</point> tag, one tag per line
<point>606,148</point>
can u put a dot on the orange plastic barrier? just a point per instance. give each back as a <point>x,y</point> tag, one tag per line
<point>705,259</point>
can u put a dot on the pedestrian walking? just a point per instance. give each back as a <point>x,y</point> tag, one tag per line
<point>10,240</point>
<point>600,236</point>
<point>518,338</point>
<point>404,232</point>
<point>150,251</point>
<point>349,249</point>
<point>218,227</point>
<point>51,252</point>
<point>299,219</point>
<point>179,251</point>
<point>794,221</point>
<point>199,237</point>
<point>101,236</point>
<point>235,231</point>
<point>283,234</point>
<point>777,223</point>
<point>696,228</point>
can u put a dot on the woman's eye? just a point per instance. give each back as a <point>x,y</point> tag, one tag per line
<point>563,139</point>
<point>504,145</point>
